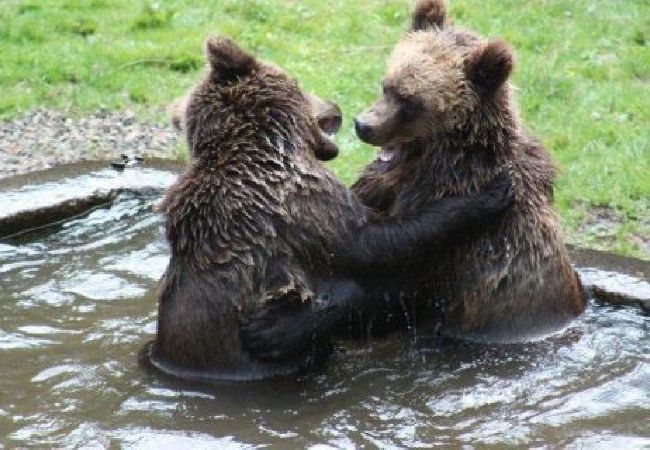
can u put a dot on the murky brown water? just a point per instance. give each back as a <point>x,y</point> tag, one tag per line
<point>77,304</point>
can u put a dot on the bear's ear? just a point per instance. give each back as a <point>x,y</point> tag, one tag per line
<point>227,59</point>
<point>489,66</point>
<point>429,13</point>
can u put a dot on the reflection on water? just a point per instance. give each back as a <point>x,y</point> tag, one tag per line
<point>77,304</point>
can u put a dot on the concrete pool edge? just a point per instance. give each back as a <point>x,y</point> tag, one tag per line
<point>613,279</point>
<point>38,199</point>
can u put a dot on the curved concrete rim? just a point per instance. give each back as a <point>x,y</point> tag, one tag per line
<point>38,199</point>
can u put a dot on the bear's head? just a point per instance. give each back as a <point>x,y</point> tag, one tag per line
<point>242,97</point>
<point>437,77</point>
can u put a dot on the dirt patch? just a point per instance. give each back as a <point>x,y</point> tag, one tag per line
<point>602,224</point>
<point>42,139</point>
<point>642,240</point>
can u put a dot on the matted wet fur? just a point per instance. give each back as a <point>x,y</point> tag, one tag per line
<point>445,123</point>
<point>257,219</point>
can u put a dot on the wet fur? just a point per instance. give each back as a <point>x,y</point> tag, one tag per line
<point>257,220</point>
<point>513,282</point>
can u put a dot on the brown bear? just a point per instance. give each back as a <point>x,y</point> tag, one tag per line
<point>257,218</point>
<point>446,122</point>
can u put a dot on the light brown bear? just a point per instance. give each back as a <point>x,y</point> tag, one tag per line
<point>446,122</point>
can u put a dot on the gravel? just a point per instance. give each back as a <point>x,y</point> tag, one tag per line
<point>43,138</point>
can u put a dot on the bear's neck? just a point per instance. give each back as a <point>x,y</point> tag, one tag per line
<point>478,149</point>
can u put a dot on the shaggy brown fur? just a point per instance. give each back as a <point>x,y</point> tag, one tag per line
<point>446,123</point>
<point>257,218</point>
<point>328,115</point>
<point>513,282</point>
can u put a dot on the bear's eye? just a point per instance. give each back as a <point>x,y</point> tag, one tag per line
<point>409,108</point>
<point>389,90</point>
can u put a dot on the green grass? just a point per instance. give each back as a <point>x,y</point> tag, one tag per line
<point>583,74</point>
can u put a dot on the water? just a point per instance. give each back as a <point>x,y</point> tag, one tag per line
<point>78,302</point>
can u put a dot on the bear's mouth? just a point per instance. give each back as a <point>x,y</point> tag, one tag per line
<point>326,148</point>
<point>330,137</point>
<point>388,152</point>
<point>330,123</point>
<point>329,120</point>
<point>329,126</point>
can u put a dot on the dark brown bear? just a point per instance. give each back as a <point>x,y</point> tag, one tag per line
<point>257,218</point>
<point>445,123</point>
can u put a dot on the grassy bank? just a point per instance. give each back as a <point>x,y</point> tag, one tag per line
<point>583,76</point>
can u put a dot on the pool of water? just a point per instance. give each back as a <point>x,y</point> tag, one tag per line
<point>78,301</point>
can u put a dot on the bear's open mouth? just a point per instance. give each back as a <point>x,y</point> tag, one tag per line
<point>331,137</point>
<point>331,123</point>
<point>388,152</point>
<point>326,147</point>
<point>329,120</point>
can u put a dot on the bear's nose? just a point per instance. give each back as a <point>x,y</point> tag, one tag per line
<point>363,130</point>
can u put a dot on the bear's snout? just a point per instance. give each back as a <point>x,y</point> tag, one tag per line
<point>363,130</point>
